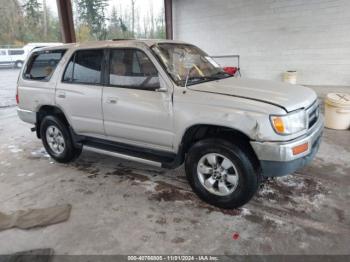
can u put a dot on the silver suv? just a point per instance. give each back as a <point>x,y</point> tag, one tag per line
<point>165,103</point>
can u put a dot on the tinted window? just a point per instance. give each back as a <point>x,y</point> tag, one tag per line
<point>42,65</point>
<point>132,68</point>
<point>16,52</point>
<point>2,52</point>
<point>84,67</point>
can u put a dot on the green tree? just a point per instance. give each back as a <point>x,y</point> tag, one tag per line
<point>23,21</point>
<point>32,10</point>
<point>33,16</point>
<point>160,26</point>
<point>11,23</point>
<point>114,28</point>
<point>91,13</point>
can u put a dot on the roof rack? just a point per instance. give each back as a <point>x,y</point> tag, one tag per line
<point>122,39</point>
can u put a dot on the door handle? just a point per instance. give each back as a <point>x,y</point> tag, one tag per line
<point>61,94</point>
<point>112,100</point>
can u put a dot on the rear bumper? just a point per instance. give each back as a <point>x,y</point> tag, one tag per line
<point>277,158</point>
<point>27,115</point>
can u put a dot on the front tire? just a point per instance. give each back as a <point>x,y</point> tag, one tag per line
<point>222,173</point>
<point>57,140</point>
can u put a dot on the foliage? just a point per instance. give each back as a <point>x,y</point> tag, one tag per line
<point>23,21</point>
<point>92,15</point>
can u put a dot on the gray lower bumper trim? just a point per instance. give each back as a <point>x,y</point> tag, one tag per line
<point>278,168</point>
<point>27,115</point>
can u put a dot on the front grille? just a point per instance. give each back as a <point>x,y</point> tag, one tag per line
<point>313,114</point>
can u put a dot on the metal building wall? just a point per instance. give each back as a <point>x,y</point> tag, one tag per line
<point>272,36</point>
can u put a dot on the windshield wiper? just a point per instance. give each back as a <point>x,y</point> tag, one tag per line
<point>216,76</point>
<point>196,79</point>
<point>221,73</point>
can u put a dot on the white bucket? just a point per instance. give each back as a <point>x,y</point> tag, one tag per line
<point>290,77</point>
<point>337,111</point>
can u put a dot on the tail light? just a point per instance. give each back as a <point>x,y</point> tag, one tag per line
<point>17,96</point>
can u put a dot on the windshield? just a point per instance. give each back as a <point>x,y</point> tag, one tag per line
<point>188,64</point>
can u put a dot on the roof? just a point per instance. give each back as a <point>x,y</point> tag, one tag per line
<point>111,43</point>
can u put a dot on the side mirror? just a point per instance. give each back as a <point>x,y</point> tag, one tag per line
<point>162,90</point>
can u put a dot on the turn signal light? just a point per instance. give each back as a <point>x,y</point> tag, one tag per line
<point>300,149</point>
<point>278,124</point>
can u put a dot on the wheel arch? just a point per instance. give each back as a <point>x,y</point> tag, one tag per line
<point>46,110</point>
<point>198,132</point>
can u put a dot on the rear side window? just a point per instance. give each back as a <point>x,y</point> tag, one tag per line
<point>84,67</point>
<point>41,65</point>
<point>16,52</point>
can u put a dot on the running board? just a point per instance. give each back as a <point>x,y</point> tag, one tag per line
<point>123,156</point>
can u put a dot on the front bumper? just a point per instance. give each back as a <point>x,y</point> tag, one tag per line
<point>27,116</point>
<point>277,158</point>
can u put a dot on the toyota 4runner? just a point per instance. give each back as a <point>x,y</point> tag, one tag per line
<point>165,103</point>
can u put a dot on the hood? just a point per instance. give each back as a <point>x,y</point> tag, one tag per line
<point>290,97</point>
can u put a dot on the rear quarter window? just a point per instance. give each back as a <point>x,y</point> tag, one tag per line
<point>41,65</point>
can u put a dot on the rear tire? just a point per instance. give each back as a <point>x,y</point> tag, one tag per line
<point>57,140</point>
<point>231,182</point>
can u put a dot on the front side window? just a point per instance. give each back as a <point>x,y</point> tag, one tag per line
<point>42,65</point>
<point>187,64</point>
<point>2,52</point>
<point>84,67</point>
<point>132,68</point>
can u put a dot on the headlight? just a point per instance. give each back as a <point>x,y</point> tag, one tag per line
<point>291,123</point>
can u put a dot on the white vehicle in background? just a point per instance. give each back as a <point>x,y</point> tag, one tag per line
<point>12,57</point>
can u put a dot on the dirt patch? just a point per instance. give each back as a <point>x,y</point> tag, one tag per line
<point>177,220</point>
<point>161,221</point>
<point>123,172</point>
<point>340,214</point>
<point>194,222</point>
<point>127,174</point>
<point>178,240</point>
<point>126,196</point>
<point>293,192</point>
<point>169,193</point>
<point>267,223</point>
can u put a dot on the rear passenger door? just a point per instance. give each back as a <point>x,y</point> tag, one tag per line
<point>80,92</point>
<point>135,112</point>
<point>39,78</point>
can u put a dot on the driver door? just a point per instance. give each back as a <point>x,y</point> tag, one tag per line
<point>134,110</point>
